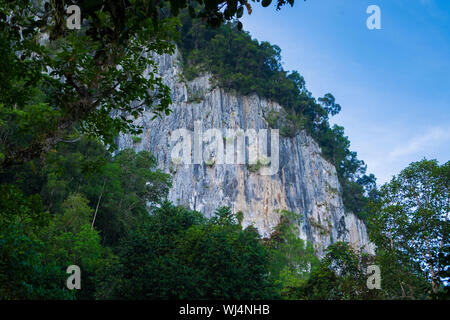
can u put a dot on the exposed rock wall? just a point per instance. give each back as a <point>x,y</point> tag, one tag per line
<point>304,183</point>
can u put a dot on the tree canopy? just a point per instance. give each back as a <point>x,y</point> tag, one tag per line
<point>63,82</point>
<point>411,221</point>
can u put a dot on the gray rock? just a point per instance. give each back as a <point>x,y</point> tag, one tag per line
<point>305,182</point>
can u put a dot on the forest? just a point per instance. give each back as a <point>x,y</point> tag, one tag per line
<point>69,197</point>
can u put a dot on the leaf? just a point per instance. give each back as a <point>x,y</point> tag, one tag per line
<point>239,26</point>
<point>249,8</point>
<point>192,12</point>
<point>266,3</point>
<point>240,12</point>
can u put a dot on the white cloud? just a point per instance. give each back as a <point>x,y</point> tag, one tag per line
<point>393,150</point>
<point>432,137</point>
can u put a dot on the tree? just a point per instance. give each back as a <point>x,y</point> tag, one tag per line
<point>341,275</point>
<point>399,277</point>
<point>24,274</point>
<point>330,105</point>
<point>71,240</point>
<point>445,274</point>
<point>410,220</point>
<point>120,189</point>
<point>291,258</point>
<point>40,239</point>
<point>179,254</point>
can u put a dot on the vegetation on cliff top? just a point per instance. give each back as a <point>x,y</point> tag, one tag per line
<point>241,64</point>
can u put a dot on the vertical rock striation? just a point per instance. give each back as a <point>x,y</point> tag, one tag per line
<point>304,183</point>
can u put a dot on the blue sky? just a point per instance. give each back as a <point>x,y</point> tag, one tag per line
<point>393,84</point>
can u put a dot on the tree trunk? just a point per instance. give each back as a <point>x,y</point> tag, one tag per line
<point>98,204</point>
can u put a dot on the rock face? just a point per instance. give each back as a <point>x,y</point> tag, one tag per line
<point>302,181</point>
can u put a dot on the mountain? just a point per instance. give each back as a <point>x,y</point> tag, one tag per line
<point>300,180</point>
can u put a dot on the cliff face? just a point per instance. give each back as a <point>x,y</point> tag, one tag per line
<point>300,180</point>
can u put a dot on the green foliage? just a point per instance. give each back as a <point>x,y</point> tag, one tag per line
<point>341,275</point>
<point>113,193</point>
<point>288,130</point>
<point>177,253</point>
<point>24,274</point>
<point>123,186</point>
<point>291,257</point>
<point>272,119</point>
<point>238,62</point>
<point>410,227</point>
<point>75,213</point>
<point>357,187</point>
<point>400,278</point>
<point>106,66</point>
<point>70,239</point>
<point>194,96</point>
<point>16,208</point>
<point>254,167</point>
<point>111,49</point>
<point>210,162</point>
<point>444,274</point>
<point>136,139</point>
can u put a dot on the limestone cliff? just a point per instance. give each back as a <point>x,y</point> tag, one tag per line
<point>304,181</point>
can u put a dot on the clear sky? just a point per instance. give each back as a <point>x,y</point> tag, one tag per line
<point>393,84</point>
